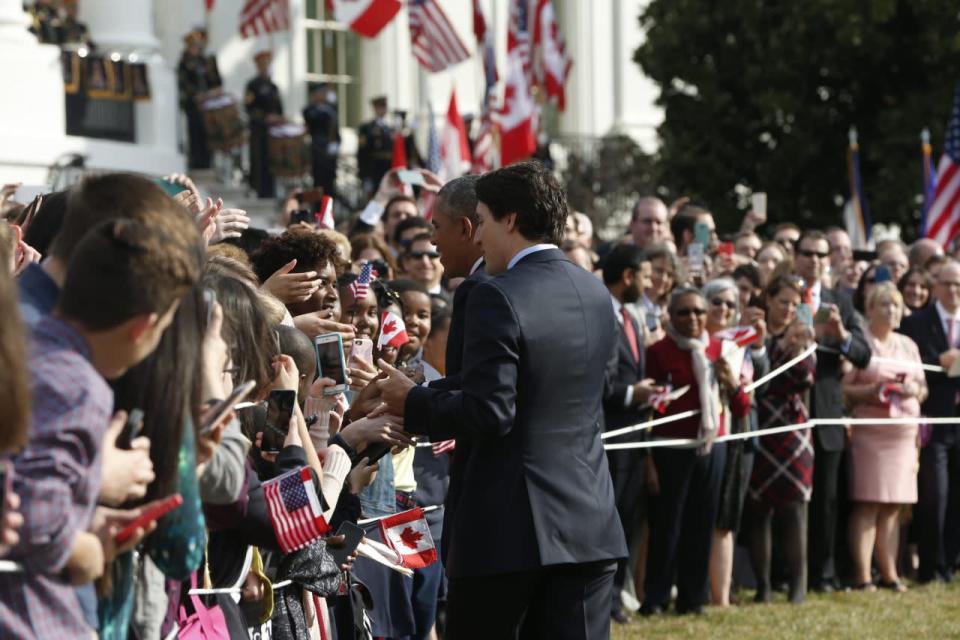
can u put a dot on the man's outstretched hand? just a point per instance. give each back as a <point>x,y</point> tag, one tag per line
<point>393,388</point>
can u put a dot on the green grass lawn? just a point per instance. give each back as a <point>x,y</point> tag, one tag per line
<point>922,612</point>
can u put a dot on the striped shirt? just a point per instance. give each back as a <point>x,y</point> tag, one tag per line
<point>57,477</point>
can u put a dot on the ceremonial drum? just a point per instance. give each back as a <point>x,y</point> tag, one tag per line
<point>221,118</point>
<point>289,153</point>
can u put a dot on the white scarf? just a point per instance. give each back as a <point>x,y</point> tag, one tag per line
<point>710,406</point>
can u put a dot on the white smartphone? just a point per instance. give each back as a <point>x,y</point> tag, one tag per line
<point>410,177</point>
<point>362,350</point>
<point>331,362</point>
<point>758,202</point>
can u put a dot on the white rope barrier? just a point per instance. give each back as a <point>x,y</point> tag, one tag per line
<point>786,365</point>
<point>933,368</point>
<point>860,422</point>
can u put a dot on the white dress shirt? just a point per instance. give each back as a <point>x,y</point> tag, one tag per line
<point>944,316</point>
<point>618,314</point>
<point>525,252</point>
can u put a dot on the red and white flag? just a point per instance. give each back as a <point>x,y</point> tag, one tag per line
<point>264,15</point>
<point>408,534</point>
<point>294,509</point>
<point>434,41</point>
<point>455,157</point>
<point>444,446</point>
<point>325,215</point>
<point>518,117</point>
<point>366,17</point>
<point>551,64</point>
<point>742,335</point>
<point>943,217</point>
<point>393,332</point>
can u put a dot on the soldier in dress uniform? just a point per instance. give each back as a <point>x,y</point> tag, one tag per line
<point>45,21</point>
<point>320,117</point>
<point>197,75</point>
<point>374,147</point>
<point>264,108</point>
<point>71,30</point>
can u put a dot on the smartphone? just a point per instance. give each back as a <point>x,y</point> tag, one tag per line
<point>331,362</point>
<point>805,314</point>
<point>695,257</point>
<point>232,401</point>
<point>302,215</point>
<point>373,452</point>
<point>27,192</point>
<point>6,484</point>
<point>725,248</point>
<point>209,300</point>
<point>362,350</point>
<point>279,411</point>
<point>755,301</point>
<point>131,429</point>
<point>410,177</point>
<point>701,234</point>
<point>758,202</point>
<point>352,537</point>
<point>882,274</point>
<point>652,319</point>
<point>822,315</point>
<point>150,515</point>
<point>863,255</point>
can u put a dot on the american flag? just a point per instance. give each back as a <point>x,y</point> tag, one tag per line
<point>485,149</point>
<point>268,15</point>
<point>943,218</point>
<point>294,509</point>
<point>361,285</point>
<point>434,41</point>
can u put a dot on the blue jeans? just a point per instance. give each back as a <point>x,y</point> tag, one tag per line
<point>380,498</point>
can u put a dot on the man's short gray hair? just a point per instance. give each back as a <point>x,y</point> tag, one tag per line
<point>458,198</point>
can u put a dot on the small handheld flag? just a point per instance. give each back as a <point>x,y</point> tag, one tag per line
<point>393,332</point>
<point>294,509</point>
<point>408,534</point>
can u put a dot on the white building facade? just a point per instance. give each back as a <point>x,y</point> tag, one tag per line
<point>606,92</point>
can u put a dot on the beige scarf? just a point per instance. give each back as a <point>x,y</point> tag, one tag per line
<point>710,405</point>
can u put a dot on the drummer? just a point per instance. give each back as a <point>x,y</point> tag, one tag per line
<point>197,75</point>
<point>374,147</point>
<point>264,108</point>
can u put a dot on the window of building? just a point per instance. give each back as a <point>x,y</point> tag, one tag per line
<point>333,56</point>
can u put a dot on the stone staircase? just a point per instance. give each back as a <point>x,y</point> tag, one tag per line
<point>263,212</point>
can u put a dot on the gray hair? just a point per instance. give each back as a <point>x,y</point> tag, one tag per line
<point>719,285</point>
<point>682,291</point>
<point>458,198</point>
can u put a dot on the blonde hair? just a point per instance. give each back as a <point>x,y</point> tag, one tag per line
<point>884,291</point>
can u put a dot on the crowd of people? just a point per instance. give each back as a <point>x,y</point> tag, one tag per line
<point>493,349</point>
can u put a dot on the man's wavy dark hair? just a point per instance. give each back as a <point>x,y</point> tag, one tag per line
<point>529,190</point>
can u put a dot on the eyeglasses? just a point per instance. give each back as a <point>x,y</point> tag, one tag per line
<point>418,255</point>
<point>807,253</point>
<point>948,284</point>
<point>683,313</point>
<point>721,302</point>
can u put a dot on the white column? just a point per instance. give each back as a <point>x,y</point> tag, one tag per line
<point>128,28</point>
<point>32,119</point>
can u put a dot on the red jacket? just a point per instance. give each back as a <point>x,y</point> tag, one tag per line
<point>667,362</point>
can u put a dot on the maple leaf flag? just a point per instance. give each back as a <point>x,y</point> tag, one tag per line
<point>742,335</point>
<point>455,157</point>
<point>366,17</point>
<point>408,534</point>
<point>325,215</point>
<point>393,332</point>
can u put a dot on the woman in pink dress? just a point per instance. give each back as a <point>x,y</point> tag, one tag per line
<point>883,458</point>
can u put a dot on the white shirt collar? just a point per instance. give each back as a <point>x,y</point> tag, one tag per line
<point>617,306</point>
<point>476,265</point>
<point>944,314</point>
<point>525,252</point>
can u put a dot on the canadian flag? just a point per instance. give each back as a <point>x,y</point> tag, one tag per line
<point>393,332</point>
<point>325,215</point>
<point>366,17</point>
<point>742,336</point>
<point>408,534</point>
<point>551,63</point>
<point>455,157</point>
<point>518,129</point>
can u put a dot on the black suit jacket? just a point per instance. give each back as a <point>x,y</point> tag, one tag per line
<point>826,400</point>
<point>535,489</point>
<point>926,329</point>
